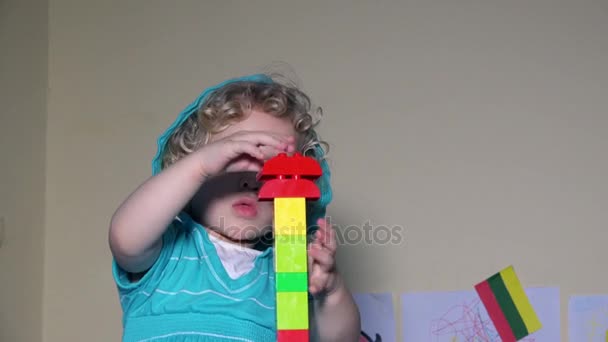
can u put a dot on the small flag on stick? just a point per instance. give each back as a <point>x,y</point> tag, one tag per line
<point>508,305</point>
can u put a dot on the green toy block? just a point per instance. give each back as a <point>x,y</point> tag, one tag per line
<point>292,310</point>
<point>292,281</point>
<point>290,253</point>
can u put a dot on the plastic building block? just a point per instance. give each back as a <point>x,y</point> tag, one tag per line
<point>288,181</point>
<point>290,177</point>
<point>292,310</point>
<point>290,216</point>
<point>289,188</point>
<point>293,336</point>
<point>296,165</point>
<point>292,281</point>
<point>290,253</point>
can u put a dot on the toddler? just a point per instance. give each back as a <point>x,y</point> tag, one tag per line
<point>192,245</point>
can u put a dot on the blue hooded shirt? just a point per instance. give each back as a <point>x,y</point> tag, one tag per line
<point>187,295</point>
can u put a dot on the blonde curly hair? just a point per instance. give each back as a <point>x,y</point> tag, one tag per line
<point>231,104</point>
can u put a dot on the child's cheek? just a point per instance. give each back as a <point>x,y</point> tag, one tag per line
<point>266,211</point>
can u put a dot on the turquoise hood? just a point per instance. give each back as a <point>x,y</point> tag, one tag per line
<point>316,210</point>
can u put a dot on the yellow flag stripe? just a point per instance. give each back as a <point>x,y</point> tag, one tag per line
<point>520,299</point>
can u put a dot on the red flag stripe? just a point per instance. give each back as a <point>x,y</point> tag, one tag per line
<point>498,318</point>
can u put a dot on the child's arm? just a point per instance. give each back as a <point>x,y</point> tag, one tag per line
<point>139,223</point>
<point>335,314</point>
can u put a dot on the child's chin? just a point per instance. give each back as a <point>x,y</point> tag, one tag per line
<point>245,238</point>
<point>246,231</point>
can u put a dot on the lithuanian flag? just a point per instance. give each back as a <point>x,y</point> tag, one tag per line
<point>508,305</point>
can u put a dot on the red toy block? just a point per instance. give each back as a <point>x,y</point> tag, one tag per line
<point>285,176</point>
<point>289,188</point>
<point>292,336</point>
<point>298,166</point>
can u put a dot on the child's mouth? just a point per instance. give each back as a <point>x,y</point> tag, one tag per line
<point>245,207</point>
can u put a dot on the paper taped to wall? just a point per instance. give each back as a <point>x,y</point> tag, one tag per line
<point>588,318</point>
<point>377,317</point>
<point>460,316</point>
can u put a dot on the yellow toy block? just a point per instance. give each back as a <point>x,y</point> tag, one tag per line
<point>290,216</point>
<point>290,253</point>
<point>292,310</point>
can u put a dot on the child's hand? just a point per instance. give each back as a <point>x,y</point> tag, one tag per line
<point>322,276</point>
<point>260,146</point>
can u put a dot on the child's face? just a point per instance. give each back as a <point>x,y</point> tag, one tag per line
<point>240,216</point>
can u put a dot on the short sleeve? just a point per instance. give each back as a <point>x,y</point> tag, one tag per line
<point>121,277</point>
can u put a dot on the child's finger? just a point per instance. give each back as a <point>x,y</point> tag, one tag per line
<point>311,262</point>
<point>330,241</point>
<point>321,232</point>
<point>318,279</point>
<point>312,270</point>
<point>322,257</point>
<point>316,245</point>
<point>322,223</point>
<point>320,283</point>
<point>239,147</point>
<point>265,138</point>
<point>270,151</point>
<point>326,235</point>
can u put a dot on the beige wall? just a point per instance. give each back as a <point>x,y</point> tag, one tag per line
<point>478,126</point>
<point>23,95</point>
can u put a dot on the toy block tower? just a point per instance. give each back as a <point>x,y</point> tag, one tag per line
<point>289,182</point>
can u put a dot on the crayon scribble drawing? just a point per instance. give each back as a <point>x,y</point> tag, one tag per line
<point>460,316</point>
<point>588,318</point>
<point>466,322</point>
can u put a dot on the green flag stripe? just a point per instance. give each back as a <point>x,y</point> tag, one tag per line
<point>508,307</point>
